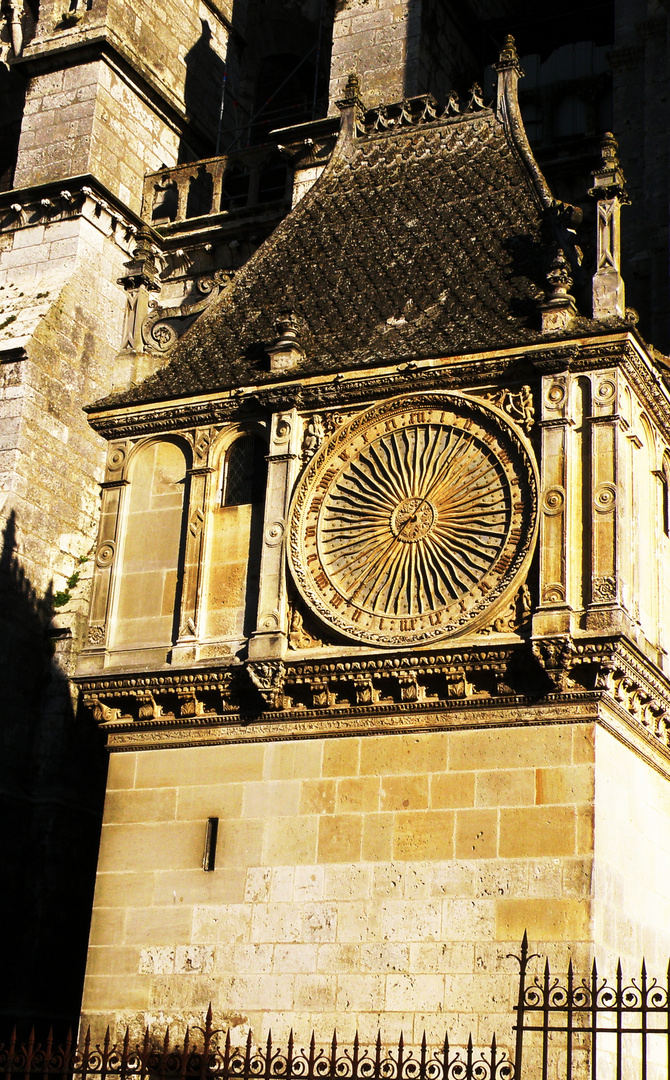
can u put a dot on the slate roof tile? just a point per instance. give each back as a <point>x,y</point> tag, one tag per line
<point>424,242</point>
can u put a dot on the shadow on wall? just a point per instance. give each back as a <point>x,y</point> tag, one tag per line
<point>203,92</point>
<point>52,776</point>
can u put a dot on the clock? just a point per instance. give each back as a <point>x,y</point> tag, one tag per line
<point>413,519</point>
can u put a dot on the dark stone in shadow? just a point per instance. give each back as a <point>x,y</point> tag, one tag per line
<point>52,784</point>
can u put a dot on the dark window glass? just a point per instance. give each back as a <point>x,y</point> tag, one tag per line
<point>235,188</point>
<point>245,471</point>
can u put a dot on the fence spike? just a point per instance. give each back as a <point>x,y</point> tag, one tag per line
<point>494,1044</point>
<point>594,969</point>
<point>247,1054</point>
<point>643,970</point>
<point>401,1040</point>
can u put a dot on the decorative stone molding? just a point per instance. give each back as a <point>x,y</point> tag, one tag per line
<point>267,676</point>
<point>165,324</point>
<point>556,656</point>
<point>156,696</point>
<point>516,403</point>
<point>514,617</point>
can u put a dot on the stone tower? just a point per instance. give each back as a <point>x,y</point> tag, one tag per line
<point>360,556</point>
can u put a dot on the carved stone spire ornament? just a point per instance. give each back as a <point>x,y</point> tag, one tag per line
<point>286,351</point>
<point>352,109</point>
<point>610,192</point>
<point>559,308</point>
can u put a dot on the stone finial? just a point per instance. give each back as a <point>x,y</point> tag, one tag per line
<point>559,308</point>
<point>351,98</point>
<point>509,57</point>
<point>142,268</point>
<point>609,178</point>
<point>610,192</point>
<point>353,113</point>
<point>286,351</point>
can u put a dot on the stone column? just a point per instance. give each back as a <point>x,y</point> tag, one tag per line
<point>270,637</point>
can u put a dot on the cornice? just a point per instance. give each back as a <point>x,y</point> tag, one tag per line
<point>56,200</point>
<point>323,391</point>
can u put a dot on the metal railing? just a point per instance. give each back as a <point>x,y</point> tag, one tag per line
<point>207,1052</point>
<point>591,1028</point>
<point>580,1029</point>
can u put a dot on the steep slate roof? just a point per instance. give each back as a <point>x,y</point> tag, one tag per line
<point>424,241</point>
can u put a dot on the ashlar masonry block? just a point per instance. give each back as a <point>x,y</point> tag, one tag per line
<point>402,913</point>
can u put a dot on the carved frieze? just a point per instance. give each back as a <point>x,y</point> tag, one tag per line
<point>413,519</point>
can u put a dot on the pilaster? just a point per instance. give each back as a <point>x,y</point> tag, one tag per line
<point>270,636</point>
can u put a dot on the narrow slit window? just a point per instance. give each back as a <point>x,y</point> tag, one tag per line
<point>209,854</point>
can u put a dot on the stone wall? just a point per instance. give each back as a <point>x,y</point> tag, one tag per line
<point>398,48</point>
<point>60,315</point>
<point>359,883</point>
<point>632,860</point>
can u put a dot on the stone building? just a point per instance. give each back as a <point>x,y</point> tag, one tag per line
<point>335,472</point>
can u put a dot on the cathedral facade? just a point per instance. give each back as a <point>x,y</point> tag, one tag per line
<point>361,531</point>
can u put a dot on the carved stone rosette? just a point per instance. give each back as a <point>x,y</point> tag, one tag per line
<point>413,519</point>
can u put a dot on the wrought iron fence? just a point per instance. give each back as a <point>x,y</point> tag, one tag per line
<point>208,1054</point>
<point>591,1028</point>
<point>580,1029</point>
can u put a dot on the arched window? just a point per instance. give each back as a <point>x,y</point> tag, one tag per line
<point>200,193</point>
<point>166,201</point>
<point>149,567</point>
<point>244,472</point>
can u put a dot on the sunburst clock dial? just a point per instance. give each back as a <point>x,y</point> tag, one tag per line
<point>413,519</point>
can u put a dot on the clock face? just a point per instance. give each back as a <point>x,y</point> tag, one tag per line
<point>413,518</point>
